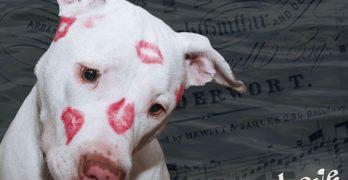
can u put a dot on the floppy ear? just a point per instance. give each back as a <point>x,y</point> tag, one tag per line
<point>73,7</point>
<point>20,154</point>
<point>204,64</point>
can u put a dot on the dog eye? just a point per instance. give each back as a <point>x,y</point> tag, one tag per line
<point>157,109</point>
<point>89,75</point>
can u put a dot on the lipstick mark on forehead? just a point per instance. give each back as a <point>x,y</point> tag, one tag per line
<point>121,116</point>
<point>63,27</point>
<point>73,120</point>
<point>149,53</point>
<point>179,93</point>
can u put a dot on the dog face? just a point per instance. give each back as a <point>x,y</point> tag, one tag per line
<point>108,82</point>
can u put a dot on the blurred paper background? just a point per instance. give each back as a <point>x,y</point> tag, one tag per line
<point>292,54</point>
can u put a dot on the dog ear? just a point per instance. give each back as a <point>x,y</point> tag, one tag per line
<point>73,7</point>
<point>204,64</point>
<point>20,154</point>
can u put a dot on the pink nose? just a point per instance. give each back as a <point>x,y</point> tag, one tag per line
<point>97,167</point>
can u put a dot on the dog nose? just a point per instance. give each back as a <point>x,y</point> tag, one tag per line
<point>97,167</point>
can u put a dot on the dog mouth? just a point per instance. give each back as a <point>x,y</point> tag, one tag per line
<point>97,167</point>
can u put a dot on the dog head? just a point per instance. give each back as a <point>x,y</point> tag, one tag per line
<point>108,82</point>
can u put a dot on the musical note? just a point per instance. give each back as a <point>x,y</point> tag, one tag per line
<point>173,171</point>
<point>316,135</point>
<point>299,143</point>
<point>215,163</point>
<point>338,128</point>
<point>205,172</point>
<point>269,147</point>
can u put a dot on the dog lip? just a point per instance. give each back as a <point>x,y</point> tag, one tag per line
<point>89,160</point>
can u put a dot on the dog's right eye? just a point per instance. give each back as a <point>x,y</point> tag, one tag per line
<point>89,75</point>
<point>157,109</point>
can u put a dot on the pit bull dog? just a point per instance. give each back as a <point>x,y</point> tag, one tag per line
<point>104,90</point>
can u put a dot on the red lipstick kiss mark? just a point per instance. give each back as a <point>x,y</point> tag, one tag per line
<point>149,53</point>
<point>121,121</point>
<point>179,93</point>
<point>73,121</point>
<point>63,27</point>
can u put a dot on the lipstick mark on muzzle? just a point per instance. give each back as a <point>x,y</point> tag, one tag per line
<point>73,120</point>
<point>121,116</point>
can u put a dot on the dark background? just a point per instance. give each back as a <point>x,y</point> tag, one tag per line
<point>292,54</point>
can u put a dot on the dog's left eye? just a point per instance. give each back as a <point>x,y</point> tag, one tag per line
<point>157,109</point>
<point>89,75</point>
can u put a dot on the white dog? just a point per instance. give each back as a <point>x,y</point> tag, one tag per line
<point>104,89</point>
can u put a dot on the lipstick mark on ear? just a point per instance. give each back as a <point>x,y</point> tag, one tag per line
<point>179,93</point>
<point>149,53</point>
<point>63,27</point>
<point>121,116</point>
<point>73,120</point>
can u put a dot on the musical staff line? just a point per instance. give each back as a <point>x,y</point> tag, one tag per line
<point>265,160</point>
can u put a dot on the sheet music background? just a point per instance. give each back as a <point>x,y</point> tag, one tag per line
<point>292,54</point>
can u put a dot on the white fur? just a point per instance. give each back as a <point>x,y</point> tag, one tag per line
<point>108,46</point>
